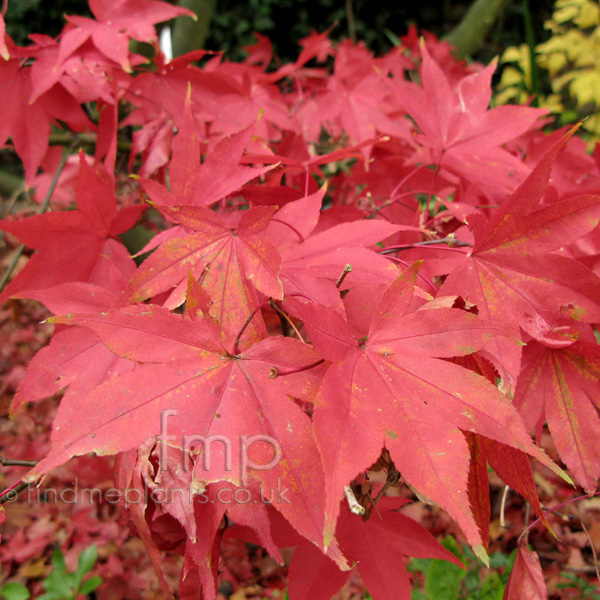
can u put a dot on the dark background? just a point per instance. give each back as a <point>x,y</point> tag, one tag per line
<point>287,21</point>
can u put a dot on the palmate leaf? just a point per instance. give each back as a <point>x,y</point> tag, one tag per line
<point>460,133</point>
<point>395,391</point>
<point>232,264</point>
<point>76,245</point>
<point>511,275</point>
<point>562,387</point>
<point>377,547</point>
<point>212,393</point>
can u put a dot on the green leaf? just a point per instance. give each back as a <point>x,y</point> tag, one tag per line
<point>57,583</point>
<point>442,581</point>
<point>492,588</point>
<point>86,562</point>
<point>14,591</point>
<point>90,585</point>
<point>443,578</point>
<point>58,561</point>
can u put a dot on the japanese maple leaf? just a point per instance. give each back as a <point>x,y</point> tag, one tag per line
<point>511,465</point>
<point>395,391</point>
<point>458,130</point>
<point>377,546</point>
<point>562,386</point>
<point>526,581</point>
<point>206,392</point>
<point>28,123</point>
<point>512,275</point>
<point>117,23</point>
<point>356,100</point>
<point>199,523</point>
<point>232,262</point>
<point>75,357</point>
<point>73,245</point>
<point>313,262</point>
<point>195,184</point>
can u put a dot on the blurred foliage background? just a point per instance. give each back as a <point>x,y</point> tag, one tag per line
<point>229,24</point>
<point>549,50</point>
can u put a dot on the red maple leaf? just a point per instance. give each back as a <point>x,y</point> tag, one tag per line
<point>28,123</point>
<point>73,245</point>
<point>209,392</point>
<point>562,386</point>
<point>75,357</point>
<point>117,22</point>
<point>232,263</point>
<point>460,133</point>
<point>526,581</point>
<point>421,402</point>
<point>377,546</point>
<point>512,275</point>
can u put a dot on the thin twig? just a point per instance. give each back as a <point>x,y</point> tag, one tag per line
<point>10,462</point>
<point>503,506</point>
<point>351,23</point>
<point>589,537</point>
<point>347,269</point>
<point>10,493</point>
<point>285,316</point>
<point>392,479</point>
<point>554,508</point>
<point>236,344</point>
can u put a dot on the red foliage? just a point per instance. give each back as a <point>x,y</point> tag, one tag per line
<point>317,319</point>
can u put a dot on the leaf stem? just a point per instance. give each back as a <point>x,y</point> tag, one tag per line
<point>277,373</point>
<point>555,508</point>
<point>285,316</point>
<point>276,220</point>
<point>451,241</point>
<point>236,344</point>
<point>393,476</point>
<point>347,269</point>
<point>427,281</point>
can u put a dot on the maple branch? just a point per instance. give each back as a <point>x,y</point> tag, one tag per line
<point>347,269</point>
<point>10,462</point>
<point>82,139</point>
<point>42,210</point>
<point>476,23</point>
<point>351,23</point>
<point>10,493</point>
<point>503,506</point>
